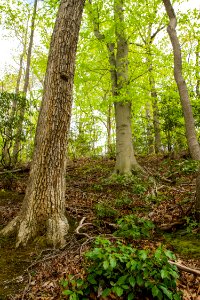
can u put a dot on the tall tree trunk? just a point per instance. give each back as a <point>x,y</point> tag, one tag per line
<point>150,139</point>
<point>43,209</point>
<point>181,84</point>
<point>108,127</point>
<point>156,123</point>
<point>125,158</point>
<point>16,148</point>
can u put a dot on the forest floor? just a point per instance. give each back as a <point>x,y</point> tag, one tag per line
<point>164,195</point>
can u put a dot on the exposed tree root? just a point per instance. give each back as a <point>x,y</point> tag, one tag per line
<point>11,227</point>
<point>56,230</point>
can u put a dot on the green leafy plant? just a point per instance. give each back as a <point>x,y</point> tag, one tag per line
<point>190,166</point>
<point>123,202</point>
<point>133,227</point>
<point>103,210</point>
<point>97,187</point>
<point>114,268</point>
<point>139,189</point>
<point>191,224</point>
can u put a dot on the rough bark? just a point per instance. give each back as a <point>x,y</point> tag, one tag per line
<point>43,209</point>
<point>16,148</point>
<point>181,84</point>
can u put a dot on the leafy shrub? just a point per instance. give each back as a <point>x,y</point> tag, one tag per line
<point>131,226</point>
<point>139,189</point>
<point>190,166</point>
<point>117,269</point>
<point>125,180</point>
<point>191,224</point>
<point>97,187</point>
<point>123,202</point>
<point>103,210</point>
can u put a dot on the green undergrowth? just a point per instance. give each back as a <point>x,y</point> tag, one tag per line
<point>187,245</point>
<point>115,267</point>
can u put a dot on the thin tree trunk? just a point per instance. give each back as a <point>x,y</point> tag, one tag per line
<point>109,126</point>
<point>43,209</point>
<point>16,148</point>
<point>181,84</point>
<point>150,139</point>
<point>156,122</point>
<point>198,70</point>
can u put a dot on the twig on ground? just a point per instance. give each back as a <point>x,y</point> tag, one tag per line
<point>14,171</point>
<point>27,286</point>
<point>186,269</point>
<point>81,224</point>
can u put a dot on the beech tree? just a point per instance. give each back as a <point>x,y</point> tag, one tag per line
<point>181,84</point>
<point>43,208</point>
<point>118,62</point>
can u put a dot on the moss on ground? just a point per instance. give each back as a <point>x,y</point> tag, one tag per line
<point>187,245</point>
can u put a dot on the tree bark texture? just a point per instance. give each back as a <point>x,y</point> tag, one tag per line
<point>181,84</point>
<point>43,209</point>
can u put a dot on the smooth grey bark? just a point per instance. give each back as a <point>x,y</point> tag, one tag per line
<point>125,158</point>
<point>118,60</point>
<point>43,208</point>
<point>16,147</point>
<point>181,84</point>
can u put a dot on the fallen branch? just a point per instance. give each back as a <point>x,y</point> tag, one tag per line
<point>112,225</point>
<point>14,171</point>
<point>170,226</point>
<point>186,269</point>
<point>82,225</point>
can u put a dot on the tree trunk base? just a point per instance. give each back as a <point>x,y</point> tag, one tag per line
<point>56,229</point>
<point>127,169</point>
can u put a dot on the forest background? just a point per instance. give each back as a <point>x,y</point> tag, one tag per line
<point>93,125</point>
<point>125,58</point>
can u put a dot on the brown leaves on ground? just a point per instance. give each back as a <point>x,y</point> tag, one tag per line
<point>167,200</point>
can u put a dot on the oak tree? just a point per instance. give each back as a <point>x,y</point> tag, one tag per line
<point>43,208</point>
